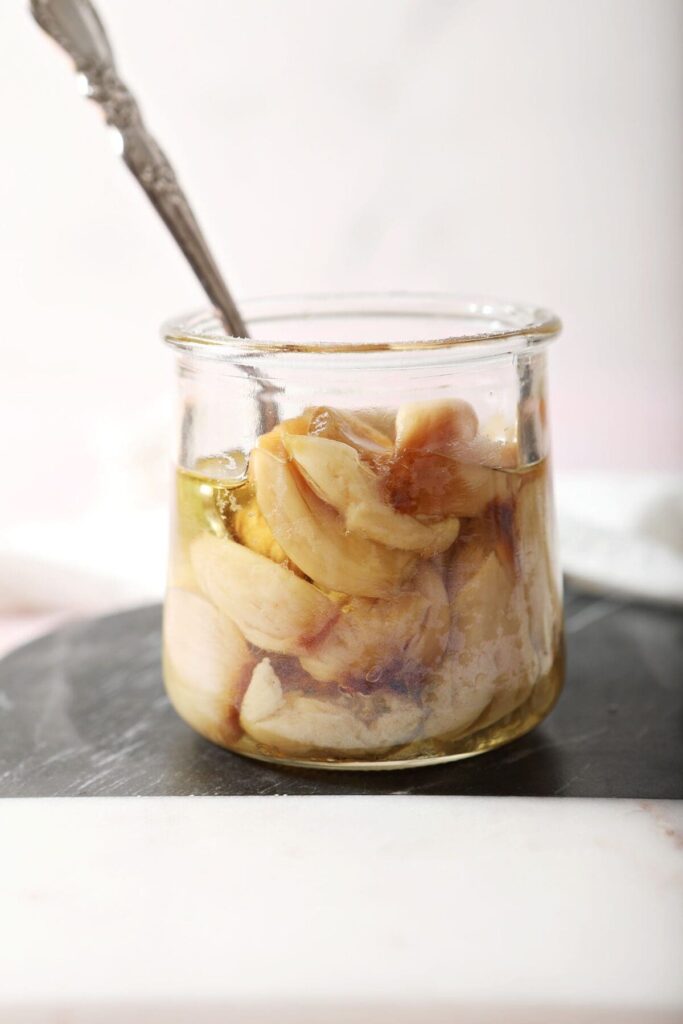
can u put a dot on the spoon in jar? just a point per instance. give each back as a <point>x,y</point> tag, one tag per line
<point>76,27</point>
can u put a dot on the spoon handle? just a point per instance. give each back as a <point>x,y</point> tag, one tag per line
<point>76,27</point>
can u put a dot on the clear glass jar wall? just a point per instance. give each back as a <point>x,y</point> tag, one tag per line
<point>363,567</point>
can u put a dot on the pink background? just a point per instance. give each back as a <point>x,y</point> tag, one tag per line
<point>531,150</point>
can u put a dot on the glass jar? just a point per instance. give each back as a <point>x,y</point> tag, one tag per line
<point>363,567</point>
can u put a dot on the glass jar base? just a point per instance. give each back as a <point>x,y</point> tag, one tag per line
<point>437,751</point>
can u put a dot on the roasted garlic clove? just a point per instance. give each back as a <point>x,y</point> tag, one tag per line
<point>351,428</point>
<point>475,543</point>
<point>491,666</point>
<point>493,531</point>
<point>516,661</point>
<point>456,697</point>
<point>442,466</point>
<point>539,573</point>
<point>480,604</point>
<point>496,454</point>
<point>208,665</point>
<point>264,695</point>
<point>436,426</point>
<point>273,441</point>
<point>272,607</point>
<point>380,642</point>
<point>429,643</point>
<point>334,471</point>
<point>381,420</point>
<point>297,724</point>
<point>438,486</point>
<point>450,427</point>
<point>367,641</point>
<point>465,683</point>
<point>315,539</point>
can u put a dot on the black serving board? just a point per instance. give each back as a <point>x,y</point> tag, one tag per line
<point>83,713</point>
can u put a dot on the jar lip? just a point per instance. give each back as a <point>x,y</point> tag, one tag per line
<point>519,324</point>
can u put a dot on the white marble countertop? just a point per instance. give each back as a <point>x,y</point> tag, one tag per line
<point>368,909</point>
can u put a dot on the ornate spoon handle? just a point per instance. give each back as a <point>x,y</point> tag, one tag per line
<point>76,27</point>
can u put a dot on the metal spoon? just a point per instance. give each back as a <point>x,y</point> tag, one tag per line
<point>76,27</point>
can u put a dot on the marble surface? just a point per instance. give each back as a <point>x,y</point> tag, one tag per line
<point>353,910</point>
<point>84,714</point>
<point>283,897</point>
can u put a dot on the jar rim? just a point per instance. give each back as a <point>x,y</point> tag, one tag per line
<point>512,325</point>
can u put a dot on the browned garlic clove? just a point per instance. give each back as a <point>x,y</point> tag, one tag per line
<point>208,665</point>
<point>314,536</point>
<point>335,472</point>
<point>297,724</point>
<point>384,642</point>
<point>435,426</point>
<point>272,607</point>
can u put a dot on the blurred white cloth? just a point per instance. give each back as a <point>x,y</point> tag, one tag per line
<point>622,533</point>
<point>92,564</point>
<point>112,553</point>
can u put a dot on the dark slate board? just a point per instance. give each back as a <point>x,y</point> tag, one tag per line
<point>83,713</point>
